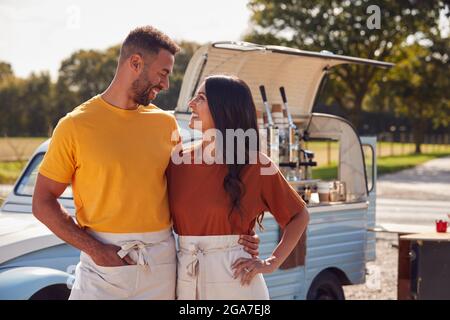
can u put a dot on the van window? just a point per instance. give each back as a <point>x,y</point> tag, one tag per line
<point>27,182</point>
<point>326,154</point>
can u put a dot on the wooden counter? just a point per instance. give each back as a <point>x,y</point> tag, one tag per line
<point>432,236</point>
<point>424,266</point>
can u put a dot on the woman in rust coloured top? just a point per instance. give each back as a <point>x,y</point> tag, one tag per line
<point>214,198</point>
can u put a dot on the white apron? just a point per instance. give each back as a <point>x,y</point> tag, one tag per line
<point>153,277</point>
<point>204,270</point>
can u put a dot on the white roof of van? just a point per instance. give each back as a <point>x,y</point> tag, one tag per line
<point>299,72</point>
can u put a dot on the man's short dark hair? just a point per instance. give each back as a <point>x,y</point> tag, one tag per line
<point>147,40</point>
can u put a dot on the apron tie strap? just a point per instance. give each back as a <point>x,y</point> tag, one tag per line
<point>139,249</point>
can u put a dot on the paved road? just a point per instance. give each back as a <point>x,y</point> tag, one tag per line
<point>416,196</point>
<point>415,212</point>
<point>430,181</point>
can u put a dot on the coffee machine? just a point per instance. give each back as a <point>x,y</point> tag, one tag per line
<point>283,135</point>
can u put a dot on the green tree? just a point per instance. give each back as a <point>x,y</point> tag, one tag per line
<point>6,71</point>
<point>10,105</point>
<point>83,75</point>
<point>419,87</point>
<point>341,27</point>
<point>25,105</point>
<point>36,105</point>
<point>88,72</point>
<point>9,96</point>
<point>64,101</point>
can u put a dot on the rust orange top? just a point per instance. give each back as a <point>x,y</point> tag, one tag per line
<point>200,206</point>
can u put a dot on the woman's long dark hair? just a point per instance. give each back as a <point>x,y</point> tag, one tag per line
<point>232,107</point>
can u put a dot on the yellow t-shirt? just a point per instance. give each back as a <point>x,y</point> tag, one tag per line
<point>116,161</point>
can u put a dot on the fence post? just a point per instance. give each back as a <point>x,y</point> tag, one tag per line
<point>402,142</point>
<point>380,153</point>
<point>433,139</point>
<point>446,142</point>
<point>329,152</point>
<point>392,143</point>
<point>412,142</point>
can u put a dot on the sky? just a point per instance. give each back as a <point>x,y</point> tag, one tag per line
<point>36,35</point>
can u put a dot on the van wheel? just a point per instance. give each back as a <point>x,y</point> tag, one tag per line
<point>53,292</point>
<point>326,286</point>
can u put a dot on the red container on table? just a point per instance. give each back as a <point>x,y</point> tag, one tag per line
<point>441,226</point>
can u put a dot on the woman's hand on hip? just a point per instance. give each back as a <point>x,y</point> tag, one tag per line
<point>248,268</point>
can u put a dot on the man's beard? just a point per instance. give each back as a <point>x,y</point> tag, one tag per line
<point>141,91</point>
